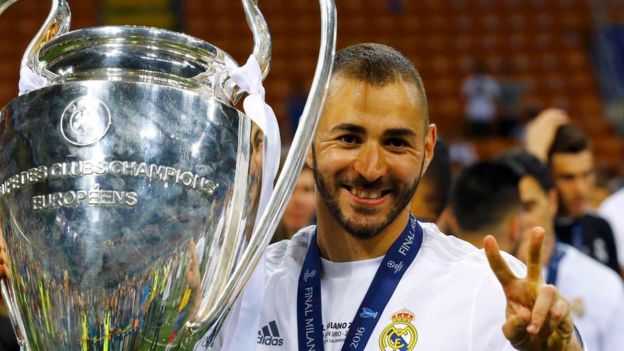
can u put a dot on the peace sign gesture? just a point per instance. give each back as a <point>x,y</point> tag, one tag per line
<point>537,316</point>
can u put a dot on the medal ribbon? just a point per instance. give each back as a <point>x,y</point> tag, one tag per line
<point>309,312</point>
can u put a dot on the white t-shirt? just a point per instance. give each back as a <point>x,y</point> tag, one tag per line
<point>449,298</point>
<point>596,296</point>
<point>612,209</point>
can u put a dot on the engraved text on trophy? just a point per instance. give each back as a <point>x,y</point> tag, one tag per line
<point>97,196</point>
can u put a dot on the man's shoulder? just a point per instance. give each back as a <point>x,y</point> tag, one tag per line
<point>446,247</point>
<point>454,252</point>
<point>613,204</point>
<point>596,273</point>
<point>593,219</point>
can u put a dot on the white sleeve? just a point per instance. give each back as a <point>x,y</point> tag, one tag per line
<point>613,338</point>
<point>610,210</point>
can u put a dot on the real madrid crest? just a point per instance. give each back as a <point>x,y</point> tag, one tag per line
<point>401,335</point>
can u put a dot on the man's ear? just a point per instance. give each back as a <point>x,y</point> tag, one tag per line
<point>430,140</point>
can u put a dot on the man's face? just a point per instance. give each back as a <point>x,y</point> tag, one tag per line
<point>370,150</point>
<point>538,207</point>
<point>574,177</point>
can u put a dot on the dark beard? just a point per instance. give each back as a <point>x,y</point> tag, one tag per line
<point>363,231</point>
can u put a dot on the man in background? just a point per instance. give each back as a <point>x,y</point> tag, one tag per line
<point>481,93</point>
<point>595,292</point>
<point>571,164</point>
<point>434,189</point>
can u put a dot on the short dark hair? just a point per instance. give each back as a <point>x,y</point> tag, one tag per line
<point>378,65</point>
<point>484,194</point>
<point>439,175</point>
<point>526,164</point>
<point>569,138</point>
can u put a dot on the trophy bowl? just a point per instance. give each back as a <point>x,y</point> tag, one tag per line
<point>130,185</point>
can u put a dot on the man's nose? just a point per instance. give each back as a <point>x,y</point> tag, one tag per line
<point>582,186</point>
<point>371,162</point>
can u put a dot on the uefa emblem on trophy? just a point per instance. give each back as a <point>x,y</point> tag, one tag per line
<point>135,199</point>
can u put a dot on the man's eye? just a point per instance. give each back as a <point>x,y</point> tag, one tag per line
<point>349,139</point>
<point>396,142</point>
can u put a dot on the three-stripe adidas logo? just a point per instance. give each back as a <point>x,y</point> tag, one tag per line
<point>269,335</point>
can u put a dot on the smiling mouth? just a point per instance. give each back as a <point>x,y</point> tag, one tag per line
<point>366,194</point>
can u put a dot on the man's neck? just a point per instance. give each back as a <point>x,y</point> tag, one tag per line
<point>337,245</point>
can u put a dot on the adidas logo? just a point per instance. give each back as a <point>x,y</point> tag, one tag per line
<point>269,335</point>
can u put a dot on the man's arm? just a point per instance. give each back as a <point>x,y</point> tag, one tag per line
<point>538,318</point>
<point>541,131</point>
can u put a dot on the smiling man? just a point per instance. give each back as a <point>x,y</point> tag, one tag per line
<point>369,276</point>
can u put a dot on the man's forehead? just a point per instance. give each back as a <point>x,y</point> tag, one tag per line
<point>572,161</point>
<point>394,105</point>
<point>531,191</point>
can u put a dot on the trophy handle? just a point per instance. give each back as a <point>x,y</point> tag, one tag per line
<point>56,24</point>
<point>261,35</point>
<point>205,319</point>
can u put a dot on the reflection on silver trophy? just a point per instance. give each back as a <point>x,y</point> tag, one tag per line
<point>130,185</point>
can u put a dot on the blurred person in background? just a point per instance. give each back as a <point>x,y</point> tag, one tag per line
<point>517,192</point>
<point>572,169</point>
<point>481,93</point>
<point>301,207</point>
<point>510,103</point>
<point>432,194</point>
<point>552,138</point>
<point>484,200</point>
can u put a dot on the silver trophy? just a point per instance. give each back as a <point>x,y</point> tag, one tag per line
<point>129,184</point>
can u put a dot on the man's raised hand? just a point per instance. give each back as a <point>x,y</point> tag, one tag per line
<point>537,316</point>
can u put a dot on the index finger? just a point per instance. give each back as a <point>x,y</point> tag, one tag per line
<point>497,263</point>
<point>534,264</point>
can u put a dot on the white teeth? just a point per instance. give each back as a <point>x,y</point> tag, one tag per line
<point>366,194</point>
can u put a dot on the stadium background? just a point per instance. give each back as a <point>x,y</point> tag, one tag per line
<point>566,53</point>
